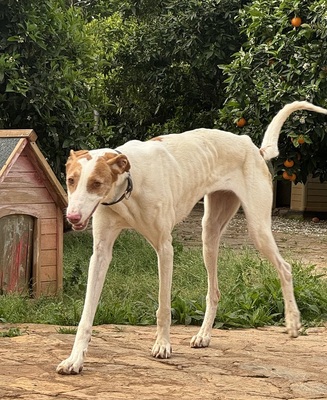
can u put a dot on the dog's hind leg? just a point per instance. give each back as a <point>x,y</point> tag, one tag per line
<point>219,208</point>
<point>99,263</point>
<point>257,208</point>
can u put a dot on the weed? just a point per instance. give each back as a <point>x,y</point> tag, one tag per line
<point>67,330</point>
<point>11,332</point>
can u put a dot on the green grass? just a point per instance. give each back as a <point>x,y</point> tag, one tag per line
<point>250,289</point>
<point>67,330</point>
<point>11,332</point>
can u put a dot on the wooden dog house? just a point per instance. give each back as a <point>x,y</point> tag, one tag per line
<point>309,197</point>
<point>32,202</point>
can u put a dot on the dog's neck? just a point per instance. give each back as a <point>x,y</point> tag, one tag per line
<point>126,194</point>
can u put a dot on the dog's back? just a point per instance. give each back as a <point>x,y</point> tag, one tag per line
<point>177,170</point>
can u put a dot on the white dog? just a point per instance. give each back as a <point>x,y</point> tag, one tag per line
<point>150,187</point>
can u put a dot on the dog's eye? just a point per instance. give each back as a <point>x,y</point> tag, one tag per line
<point>96,184</point>
<point>70,181</point>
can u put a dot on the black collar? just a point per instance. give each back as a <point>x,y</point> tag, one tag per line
<point>127,192</point>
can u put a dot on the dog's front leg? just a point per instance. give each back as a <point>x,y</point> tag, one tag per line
<point>99,264</point>
<point>162,348</point>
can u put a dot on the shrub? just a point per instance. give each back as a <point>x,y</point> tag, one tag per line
<point>277,64</point>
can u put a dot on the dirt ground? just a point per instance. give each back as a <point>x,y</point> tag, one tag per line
<point>238,365</point>
<point>297,238</point>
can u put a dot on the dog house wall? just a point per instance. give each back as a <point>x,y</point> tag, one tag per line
<point>309,197</point>
<point>29,187</point>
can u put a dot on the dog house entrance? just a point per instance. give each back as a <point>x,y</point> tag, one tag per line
<point>16,252</point>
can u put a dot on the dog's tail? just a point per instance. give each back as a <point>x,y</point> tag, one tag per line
<point>269,146</point>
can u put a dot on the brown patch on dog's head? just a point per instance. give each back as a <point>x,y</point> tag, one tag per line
<point>103,173</point>
<point>118,164</point>
<point>74,168</point>
<point>75,156</point>
<point>106,172</point>
<point>157,139</point>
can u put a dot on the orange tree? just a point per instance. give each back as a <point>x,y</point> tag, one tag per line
<point>283,59</point>
<point>46,58</point>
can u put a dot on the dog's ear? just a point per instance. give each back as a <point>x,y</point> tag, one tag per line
<point>118,164</point>
<point>71,158</point>
<point>81,153</point>
<point>73,155</point>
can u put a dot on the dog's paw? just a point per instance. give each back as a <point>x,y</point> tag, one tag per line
<point>161,349</point>
<point>69,367</point>
<point>293,326</point>
<point>199,341</point>
<point>293,322</point>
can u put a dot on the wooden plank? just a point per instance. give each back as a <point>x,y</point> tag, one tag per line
<point>48,288</point>
<point>23,179</point>
<point>49,242</point>
<point>46,210</point>
<point>317,195</point>
<point>318,192</point>
<point>48,226</point>
<point>51,181</point>
<point>25,196</point>
<point>313,180</point>
<point>298,197</point>
<point>48,273</point>
<point>60,249</point>
<point>36,284</point>
<point>317,199</point>
<point>319,187</point>
<point>18,133</point>
<point>48,257</point>
<point>23,165</point>
<point>32,160</point>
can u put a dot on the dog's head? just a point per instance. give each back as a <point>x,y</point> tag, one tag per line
<point>90,179</point>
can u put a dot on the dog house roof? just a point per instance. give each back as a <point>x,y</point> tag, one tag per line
<point>12,143</point>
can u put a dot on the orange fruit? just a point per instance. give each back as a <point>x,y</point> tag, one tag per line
<point>296,22</point>
<point>301,139</point>
<point>241,122</point>
<point>288,177</point>
<point>288,163</point>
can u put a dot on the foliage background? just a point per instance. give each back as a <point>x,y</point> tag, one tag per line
<point>45,59</point>
<point>278,64</point>
<point>152,67</point>
<point>163,75</point>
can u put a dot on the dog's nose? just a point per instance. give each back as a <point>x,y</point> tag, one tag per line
<point>74,218</point>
